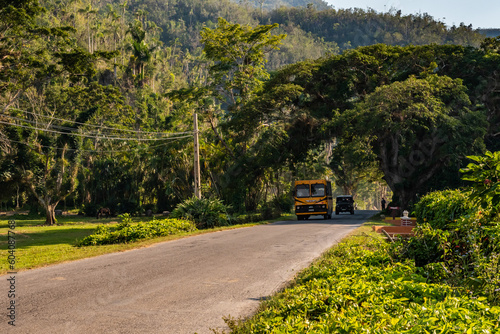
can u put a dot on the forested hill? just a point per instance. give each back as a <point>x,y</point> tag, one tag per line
<point>312,31</point>
<point>274,4</point>
<point>490,32</point>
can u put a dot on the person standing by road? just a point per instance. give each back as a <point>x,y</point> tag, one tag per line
<point>383,204</point>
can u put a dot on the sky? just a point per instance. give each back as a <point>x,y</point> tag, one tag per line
<point>479,13</point>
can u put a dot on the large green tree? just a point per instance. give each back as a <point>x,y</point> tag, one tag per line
<point>238,53</point>
<point>352,162</point>
<point>44,75</point>
<point>417,127</point>
<point>236,73</point>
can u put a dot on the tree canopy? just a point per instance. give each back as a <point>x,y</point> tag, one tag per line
<point>97,102</point>
<point>416,128</point>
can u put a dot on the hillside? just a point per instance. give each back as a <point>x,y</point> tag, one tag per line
<point>274,4</point>
<point>490,32</point>
<point>313,31</point>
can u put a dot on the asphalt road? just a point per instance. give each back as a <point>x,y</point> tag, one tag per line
<point>175,287</point>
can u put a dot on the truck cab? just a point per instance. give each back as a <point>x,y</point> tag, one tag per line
<point>344,203</point>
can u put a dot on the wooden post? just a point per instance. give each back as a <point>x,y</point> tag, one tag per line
<point>197,190</point>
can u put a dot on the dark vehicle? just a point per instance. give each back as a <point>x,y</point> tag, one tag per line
<point>344,203</point>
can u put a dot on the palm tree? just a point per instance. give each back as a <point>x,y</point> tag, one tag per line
<point>142,52</point>
<point>88,12</point>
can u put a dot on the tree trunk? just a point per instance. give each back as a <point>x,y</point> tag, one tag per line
<point>406,196</point>
<point>50,216</point>
<point>346,188</point>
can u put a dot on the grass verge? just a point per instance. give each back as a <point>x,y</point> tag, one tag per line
<point>39,246</point>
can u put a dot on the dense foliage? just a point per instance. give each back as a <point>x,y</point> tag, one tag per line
<point>409,122</point>
<point>442,208</point>
<point>485,175</point>
<point>204,212</point>
<point>126,231</point>
<point>272,4</point>
<point>98,99</point>
<point>313,28</point>
<point>357,288</point>
<point>457,240</point>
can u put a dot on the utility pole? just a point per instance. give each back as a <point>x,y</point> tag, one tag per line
<point>197,190</point>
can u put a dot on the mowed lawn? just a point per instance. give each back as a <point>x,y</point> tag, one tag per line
<point>38,245</point>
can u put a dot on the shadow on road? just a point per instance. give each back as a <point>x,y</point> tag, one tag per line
<point>259,299</point>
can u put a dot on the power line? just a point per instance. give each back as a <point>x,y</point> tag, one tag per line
<point>58,127</point>
<point>97,126</point>
<point>100,151</point>
<point>94,136</point>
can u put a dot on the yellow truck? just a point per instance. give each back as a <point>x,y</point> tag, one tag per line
<point>313,197</point>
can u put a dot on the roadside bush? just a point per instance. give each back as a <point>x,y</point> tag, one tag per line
<point>284,203</point>
<point>356,288</point>
<point>247,218</point>
<point>485,176</point>
<point>428,245</point>
<point>205,212</point>
<point>457,239</point>
<point>128,232</point>
<point>442,208</point>
<point>466,254</point>
<point>90,209</point>
<point>269,211</point>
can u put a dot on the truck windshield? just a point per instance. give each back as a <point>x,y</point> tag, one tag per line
<point>302,190</point>
<point>318,190</point>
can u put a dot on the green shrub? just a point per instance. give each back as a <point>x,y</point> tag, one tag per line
<point>428,245</point>
<point>457,240</point>
<point>128,232</point>
<point>357,289</point>
<point>458,245</point>
<point>247,218</point>
<point>485,175</point>
<point>442,208</point>
<point>205,212</point>
<point>284,203</point>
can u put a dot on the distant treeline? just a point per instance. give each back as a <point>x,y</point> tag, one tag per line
<point>490,32</point>
<point>313,31</point>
